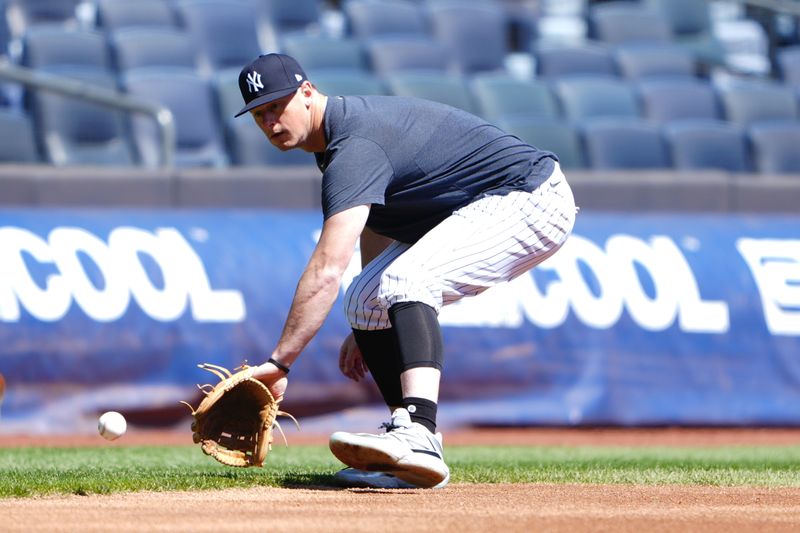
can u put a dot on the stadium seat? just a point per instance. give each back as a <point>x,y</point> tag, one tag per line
<point>190,98</point>
<point>500,96</point>
<point>341,83</point>
<point>628,22</point>
<point>637,62</point>
<point>19,144</point>
<point>789,64</point>
<point>444,88</point>
<point>77,132</point>
<point>249,147</point>
<point>706,144</point>
<point>623,144</point>
<point>398,54</point>
<point>588,97</point>
<point>49,46</point>
<point>284,17</point>
<point>775,147</point>
<point>373,18</point>
<point>149,47</point>
<point>674,99</point>
<point>317,53</point>
<point>225,31</point>
<point>473,33</point>
<point>24,15</point>
<point>749,102</point>
<point>114,15</point>
<point>690,21</point>
<point>546,133</point>
<point>556,62</point>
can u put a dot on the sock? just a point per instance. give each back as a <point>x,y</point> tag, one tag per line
<point>422,411</point>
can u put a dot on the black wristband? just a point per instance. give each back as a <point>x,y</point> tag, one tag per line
<point>281,366</point>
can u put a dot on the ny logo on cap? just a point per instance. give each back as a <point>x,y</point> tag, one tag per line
<point>254,82</point>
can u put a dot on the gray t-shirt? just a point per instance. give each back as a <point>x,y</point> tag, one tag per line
<point>417,161</point>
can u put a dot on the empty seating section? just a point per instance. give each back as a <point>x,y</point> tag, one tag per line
<point>396,54</point>
<point>147,47</point>
<point>666,100</point>
<point>501,96</point>
<point>626,84</point>
<point>117,14</point>
<point>701,145</point>
<point>191,100</point>
<point>624,144</point>
<point>775,145</point>
<point>628,22</point>
<point>225,31</point>
<point>320,53</point>
<point>474,34</point>
<point>373,18</point>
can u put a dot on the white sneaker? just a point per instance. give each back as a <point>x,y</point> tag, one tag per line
<point>407,450</point>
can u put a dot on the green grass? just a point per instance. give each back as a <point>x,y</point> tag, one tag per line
<point>39,471</point>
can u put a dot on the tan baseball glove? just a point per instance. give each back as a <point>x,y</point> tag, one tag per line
<point>233,424</point>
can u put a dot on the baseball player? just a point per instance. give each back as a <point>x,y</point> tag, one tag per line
<point>444,205</point>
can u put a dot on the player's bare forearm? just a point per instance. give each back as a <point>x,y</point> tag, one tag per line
<point>314,297</point>
<point>319,284</point>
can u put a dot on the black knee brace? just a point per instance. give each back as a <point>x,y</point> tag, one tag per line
<point>380,353</point>
<point>419,337</point>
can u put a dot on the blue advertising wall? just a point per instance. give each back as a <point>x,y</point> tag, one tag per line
<point>639,319</point>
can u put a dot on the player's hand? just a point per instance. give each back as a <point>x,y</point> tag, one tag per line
<point>351,362</point>
<point>273,377</point>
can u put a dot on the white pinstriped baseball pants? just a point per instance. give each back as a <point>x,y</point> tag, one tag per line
<point>490,241</point>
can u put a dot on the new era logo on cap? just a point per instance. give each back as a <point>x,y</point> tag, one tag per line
<point>269,77</point>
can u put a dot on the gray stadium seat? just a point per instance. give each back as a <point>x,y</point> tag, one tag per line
<point>556,62</point>
<point>654,61</point>
<point>749,102</point>
<point>444,88</point>
<point>473,33</point>
<point>149,47</point>
<point>225,30</point>
<point>341,83</point>
<point>114,15</point>
<point>588,97</point>
<point>27,14</point>
<point>190,98</point>
<point>291,16</point>
<point>373,18</point>
<point>776,147</point>
<point>500,96</point>
<point>675,99</point>
<point>623,144</point>
<point>406,53</point>
<point>76,132</point>
<point>49,46</point>
<point>628,22</point>
<point>19,144</point>
<point>550,134</point>
<point>690,21</point>
<point>317,53</point>
<point>706,144</point>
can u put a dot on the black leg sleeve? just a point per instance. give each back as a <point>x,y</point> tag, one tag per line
<point>379,349</point>
<point>419,336</point>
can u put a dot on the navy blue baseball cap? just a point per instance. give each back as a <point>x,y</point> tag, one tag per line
<point>267,78</point>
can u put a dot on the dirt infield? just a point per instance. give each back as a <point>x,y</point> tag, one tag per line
<point>460,507</point>
<point>463,508</point>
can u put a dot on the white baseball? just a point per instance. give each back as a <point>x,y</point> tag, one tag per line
<point>111,425</point>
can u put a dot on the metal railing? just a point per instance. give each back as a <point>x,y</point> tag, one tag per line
<point>99,95</point>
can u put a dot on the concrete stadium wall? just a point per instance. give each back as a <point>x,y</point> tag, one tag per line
<point>298,187</point>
